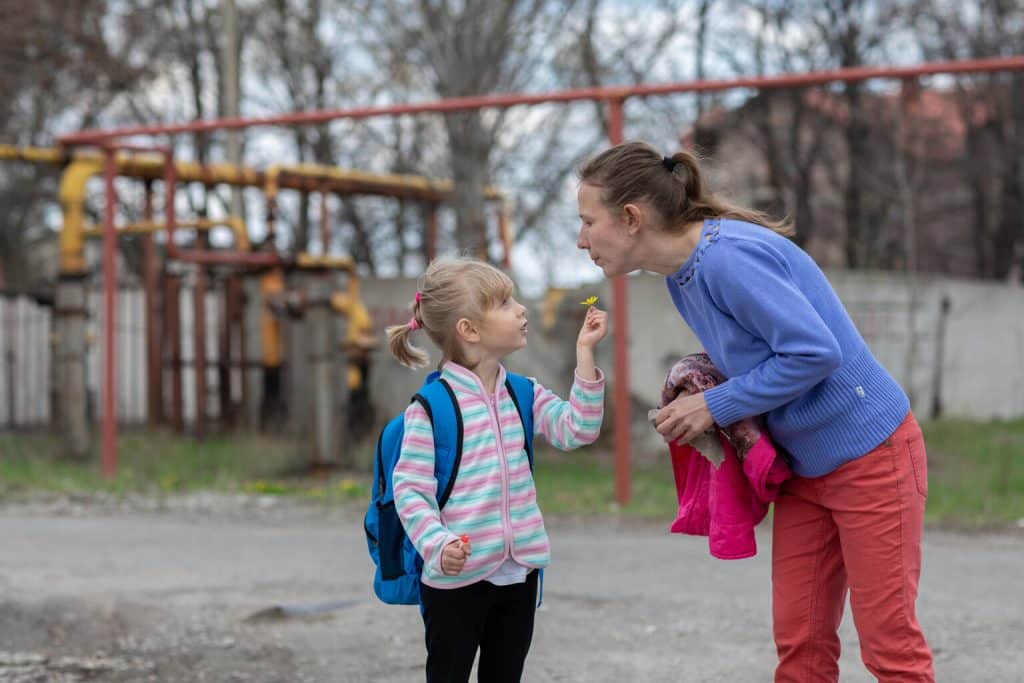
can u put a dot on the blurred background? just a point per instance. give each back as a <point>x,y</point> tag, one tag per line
<point>297,244</point>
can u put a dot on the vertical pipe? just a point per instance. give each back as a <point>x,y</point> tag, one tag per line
<point>252,349</point>
<point>224,366</point>
<point>325,220</point>
<point>10,359</point>
<point>154,376</point>
<point>324,380</point>
<point>172,334</point>
<point>173,304</point>
<point>430,235</point>
<point>71,351</point>
<point>199,344</point>
<point>620,328</point>
<point>505,236</point>
<point>109,311</point>
<point>232,88</point>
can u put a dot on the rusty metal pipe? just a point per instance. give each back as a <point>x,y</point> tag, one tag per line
<point>457,104</point>
<point>154,377</point>
<point>109,430</point>
<point>623,422</point>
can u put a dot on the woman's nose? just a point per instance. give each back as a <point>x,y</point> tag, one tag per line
<point>581,241</point>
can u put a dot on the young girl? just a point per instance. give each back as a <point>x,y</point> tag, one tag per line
<point>481,592</point>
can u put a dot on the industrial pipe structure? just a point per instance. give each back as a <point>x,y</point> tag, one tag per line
<point>235,223</point>
<point>613,97</point>
<point>83,165</point>
<point>154,163</point>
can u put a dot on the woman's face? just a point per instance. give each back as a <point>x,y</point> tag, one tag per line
<point>604,234</point>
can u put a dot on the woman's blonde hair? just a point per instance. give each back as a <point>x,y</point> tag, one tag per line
<point>674,186</point>
<point>450,290</point>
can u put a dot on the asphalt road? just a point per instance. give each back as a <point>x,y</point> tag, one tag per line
<point>187,592</point>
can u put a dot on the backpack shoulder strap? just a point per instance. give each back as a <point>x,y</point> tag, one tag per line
<point>521,389</point>
<point>438,399</point>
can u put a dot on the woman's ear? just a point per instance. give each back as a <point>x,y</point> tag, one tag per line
<point>634,215</point>
<point>467,331</point>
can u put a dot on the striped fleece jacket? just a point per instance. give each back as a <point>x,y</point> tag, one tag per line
<point>493,500</point>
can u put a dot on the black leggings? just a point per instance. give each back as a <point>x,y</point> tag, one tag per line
<point>497,619</point>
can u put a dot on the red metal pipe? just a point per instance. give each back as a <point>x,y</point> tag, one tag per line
<point>109,430</point>
<point>199,344</point>
<point>202,257</point>
<point>623,423</point>
<point>227,332</point>
<point>154,375</point>
<point>172,332</point>
<point>514,99</point>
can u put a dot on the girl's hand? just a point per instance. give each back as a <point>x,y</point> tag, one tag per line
<point>453,557</point>
<point>595,327</point>
<point>684,419</point>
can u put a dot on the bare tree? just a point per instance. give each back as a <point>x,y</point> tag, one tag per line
<point>59,68</point>
<point>475,48</point>
<point>992,112</point>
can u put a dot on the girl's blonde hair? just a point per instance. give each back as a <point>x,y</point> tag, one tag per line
<point>674,186</point>
<point>450,290</point>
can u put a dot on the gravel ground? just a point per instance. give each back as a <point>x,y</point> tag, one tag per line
<point>243,588</point>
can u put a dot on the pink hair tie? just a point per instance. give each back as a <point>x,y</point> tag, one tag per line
<point>418,296</point>
<point>414,324</point>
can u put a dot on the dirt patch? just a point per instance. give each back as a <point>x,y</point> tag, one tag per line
<point>69,640</point>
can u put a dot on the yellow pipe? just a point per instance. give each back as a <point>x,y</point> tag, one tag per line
<point>295,177</point>
<point>34,155</point>
<point>272,289</point>
<point>84,164</point>
<point>377,183</point>
<point>71,243</point>
<point>307,260</point>
<point>359,337</point>
<point>235,223</point>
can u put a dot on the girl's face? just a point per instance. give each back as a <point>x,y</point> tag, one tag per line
<point>604,234</point>
<point>503,328</point>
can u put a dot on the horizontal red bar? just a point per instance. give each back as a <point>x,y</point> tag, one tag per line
<point>510,100</point>
<point>210,257</point>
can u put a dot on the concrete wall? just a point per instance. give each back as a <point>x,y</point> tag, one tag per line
<point>978,371</point>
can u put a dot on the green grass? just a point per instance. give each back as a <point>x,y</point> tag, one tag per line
<point>161,463</point>
<point>975,478</point>
<point>583,483</point>
<point>976,473</point>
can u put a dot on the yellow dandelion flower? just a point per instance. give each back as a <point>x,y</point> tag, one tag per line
<point>589,301</point>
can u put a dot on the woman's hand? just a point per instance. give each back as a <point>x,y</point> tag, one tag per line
<point>595,327</point>
<point>684,419</point>
<point>453,557</point>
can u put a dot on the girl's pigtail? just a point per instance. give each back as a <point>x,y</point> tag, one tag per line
<point>401,346</point>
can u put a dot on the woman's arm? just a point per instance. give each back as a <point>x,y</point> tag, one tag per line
<point>751,283</point>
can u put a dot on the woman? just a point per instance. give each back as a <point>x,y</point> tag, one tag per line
<point>850,520</point>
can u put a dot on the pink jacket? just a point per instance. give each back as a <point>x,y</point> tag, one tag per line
<point>726,502</point>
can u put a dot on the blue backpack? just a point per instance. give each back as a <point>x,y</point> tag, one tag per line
<point>396,580</point>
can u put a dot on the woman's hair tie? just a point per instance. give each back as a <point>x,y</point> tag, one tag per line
<point>669,163</point>
<point>419,295</point>
<point>414,324</point>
